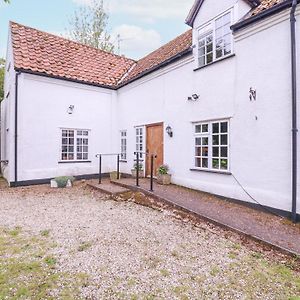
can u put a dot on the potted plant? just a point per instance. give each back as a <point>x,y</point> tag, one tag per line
<point>163,177</point>
<point>114,175</point>
<point>136,167</point>
<point>62,182</point>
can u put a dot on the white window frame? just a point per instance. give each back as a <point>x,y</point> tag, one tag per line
<point>140,140</point>
<point>84,135</point>
<point>210,28</point>
<point>123,145</point>
<point>198,155</point>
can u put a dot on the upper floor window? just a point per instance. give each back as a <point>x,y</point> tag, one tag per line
<point>215,40</point>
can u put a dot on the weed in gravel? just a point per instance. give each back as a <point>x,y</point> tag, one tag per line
<point>84,246</point>
<point>164,272</point>
<point>15,231</point>
<point>50,261</point>
<point>45,233</point>
<point>214,271</point>
<point>232,254</point>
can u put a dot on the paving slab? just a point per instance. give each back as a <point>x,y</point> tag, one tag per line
<point>260,225</point>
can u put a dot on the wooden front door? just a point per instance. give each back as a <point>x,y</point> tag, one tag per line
<point>155,145</point>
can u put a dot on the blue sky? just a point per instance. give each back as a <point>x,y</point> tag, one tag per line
<point>143,25</point>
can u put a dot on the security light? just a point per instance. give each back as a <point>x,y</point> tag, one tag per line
<point>169,131</point>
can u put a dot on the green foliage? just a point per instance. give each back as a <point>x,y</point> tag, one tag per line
<point>163,169</point>
<point>2,71</point>
<point>63,180</point>
<point>88,26</point>
<point>138,166</point>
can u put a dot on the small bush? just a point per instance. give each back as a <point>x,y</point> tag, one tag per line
<point>163,169</point>
<point>138,166</point>
<point>63,180</point>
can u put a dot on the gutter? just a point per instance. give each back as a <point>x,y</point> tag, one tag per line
<point>20,70</point>
<point>294,110</point>
<point>16,128</point>
<point>262,15</point>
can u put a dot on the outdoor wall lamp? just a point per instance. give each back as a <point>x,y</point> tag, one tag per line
<point>252,94</point>
<point>71,109</point>
<point>169,131</point>
<point>194,97</point>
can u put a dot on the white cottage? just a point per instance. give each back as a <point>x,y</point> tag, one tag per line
<point>226,90</point>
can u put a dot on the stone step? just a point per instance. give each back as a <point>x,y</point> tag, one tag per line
<point>109,188</point>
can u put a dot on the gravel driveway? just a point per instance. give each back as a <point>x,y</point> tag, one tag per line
<point>127,251</point>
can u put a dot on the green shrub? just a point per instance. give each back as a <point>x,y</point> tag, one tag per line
<point>63,180</point>
<point>163,169</point>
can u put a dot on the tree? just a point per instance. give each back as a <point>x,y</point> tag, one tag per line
<point>89,26</point>
<point>7,1</point>
<point>2,71</point>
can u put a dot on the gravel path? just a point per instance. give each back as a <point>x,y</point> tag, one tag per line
<point>129,251</point>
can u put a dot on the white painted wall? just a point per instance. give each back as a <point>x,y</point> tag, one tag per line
<point>260,149</point>
<point>7,114</point>
<point>260,132</point>
<point>43,105</point>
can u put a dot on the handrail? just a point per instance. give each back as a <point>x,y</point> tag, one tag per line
<point>100,164</point>
<point>153,156</point>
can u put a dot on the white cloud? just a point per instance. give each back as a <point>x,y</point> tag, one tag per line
<point>148,10</point>
<point>136,42</point>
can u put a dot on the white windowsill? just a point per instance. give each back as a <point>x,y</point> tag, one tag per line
<point>224,172</point>
<point>74,161</point>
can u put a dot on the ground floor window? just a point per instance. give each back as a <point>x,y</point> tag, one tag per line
<point>123,144</point>
<point>75,145</point>
<point>139,131</point>
<point>211,140</point>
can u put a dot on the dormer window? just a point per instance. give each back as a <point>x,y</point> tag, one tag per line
<point>215,40</point>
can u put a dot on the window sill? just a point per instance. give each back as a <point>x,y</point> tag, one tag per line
<point>214,62</point>
<point>74,161</point>
<point>211,171</point>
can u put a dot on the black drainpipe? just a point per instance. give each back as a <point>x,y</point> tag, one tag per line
<point>16,128</point>
<point>294,111</point>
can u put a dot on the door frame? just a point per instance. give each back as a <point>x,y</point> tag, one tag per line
<point>146,143</point>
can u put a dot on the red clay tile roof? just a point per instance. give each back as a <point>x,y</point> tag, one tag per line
<point>264,5</point>
<point>42,52</point>
<point>176,47</point>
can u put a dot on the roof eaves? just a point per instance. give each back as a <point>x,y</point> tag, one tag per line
<point>111,87</point>
<point>198,3</point>
<point>262,15</point>
<point>159,66</point>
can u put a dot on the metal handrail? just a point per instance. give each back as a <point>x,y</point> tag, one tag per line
<point>153,156</point>
<point>100,164</point>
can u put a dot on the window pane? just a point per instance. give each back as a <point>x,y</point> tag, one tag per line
<point>85,156</point>
<point>224,139</point>
<point>216,163</point>
<point>198,162</point>
<point>224,127</point>
<point>198,129</point>
<point>215,140</point>
<point>209,58</point>
<point>201,61</point>
<point>224,164</point>
<point>215,151</point>
<point>198,151</point>
<point>205,141</point>
<point>201,51</point>
<point>198,141</point>
<point>204,162</point>
<point>79,155</point>
<point>204,127</point>
<point>224,152</point>
<point>205,151</point>
<point>215,127</point>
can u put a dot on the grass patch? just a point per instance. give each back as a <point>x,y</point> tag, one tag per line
<point>26,273</point>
